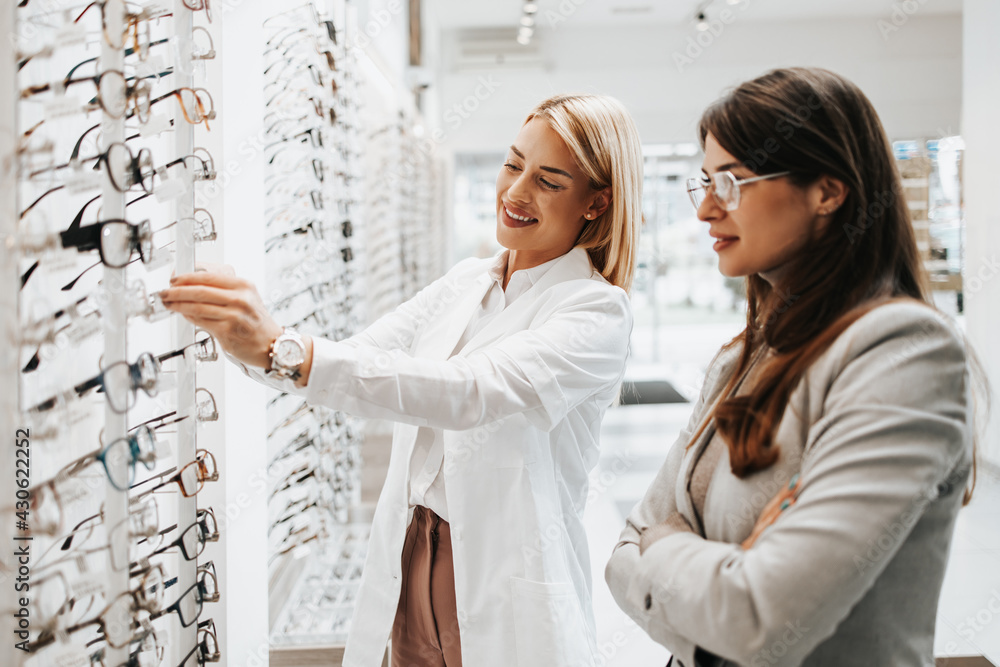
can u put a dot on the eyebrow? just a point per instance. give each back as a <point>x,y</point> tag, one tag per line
<point>725,167</point>
<point>552,170</point>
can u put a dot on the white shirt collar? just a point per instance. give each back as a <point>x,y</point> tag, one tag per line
<point>522,280</point>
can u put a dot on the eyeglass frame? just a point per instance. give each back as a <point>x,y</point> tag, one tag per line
<point>696,184</point>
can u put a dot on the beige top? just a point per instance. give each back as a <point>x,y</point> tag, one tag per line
<point>708,461</point>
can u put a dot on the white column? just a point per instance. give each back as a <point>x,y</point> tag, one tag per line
<point>981,131</point>
<point>235,199</point>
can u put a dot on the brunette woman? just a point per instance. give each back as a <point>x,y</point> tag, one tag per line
<point>804,516</point>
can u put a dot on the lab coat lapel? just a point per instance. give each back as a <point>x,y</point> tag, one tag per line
<point>443,332</point>
<point>573,265</point>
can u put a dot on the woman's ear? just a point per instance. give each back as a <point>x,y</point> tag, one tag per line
<point>830,195</point>
<point>599,204</point>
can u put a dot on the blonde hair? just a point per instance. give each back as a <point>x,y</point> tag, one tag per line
<point>603,138</point>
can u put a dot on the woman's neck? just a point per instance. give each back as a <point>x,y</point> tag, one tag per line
<point>527,259</point>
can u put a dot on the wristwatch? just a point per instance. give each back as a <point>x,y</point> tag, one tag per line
<point>287,354</point>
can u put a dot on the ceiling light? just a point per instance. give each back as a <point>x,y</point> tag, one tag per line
<point>523,41</point>
<point>530,7</point>
<point>527,21</point>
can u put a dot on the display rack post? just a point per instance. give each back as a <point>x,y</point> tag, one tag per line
<point>187,508</point>
<point>235,200</point>
<point>8,324</point>
<point>114,325</point>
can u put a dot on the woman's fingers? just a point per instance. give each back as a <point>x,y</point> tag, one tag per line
<point>772,510</point>
<point>215,267</point>
<point>211,279</point>
<point>200,294</point>
<point>228,307</point>
<point>202,311</point>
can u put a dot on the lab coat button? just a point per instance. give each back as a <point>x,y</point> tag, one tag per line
<point>649,601</point>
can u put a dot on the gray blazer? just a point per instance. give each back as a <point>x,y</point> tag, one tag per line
<point>880,431</point>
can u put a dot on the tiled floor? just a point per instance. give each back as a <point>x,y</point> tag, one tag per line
<point>634,442</point>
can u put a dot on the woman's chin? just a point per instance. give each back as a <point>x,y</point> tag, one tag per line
<point>513,238</point>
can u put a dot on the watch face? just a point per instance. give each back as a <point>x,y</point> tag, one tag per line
<point>289,354</point>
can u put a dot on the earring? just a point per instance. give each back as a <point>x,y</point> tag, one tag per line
<point>589,216</point>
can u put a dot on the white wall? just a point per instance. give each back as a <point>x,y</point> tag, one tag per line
<point>982,174</point>
<point>383,32</point>
<point>913,75</point>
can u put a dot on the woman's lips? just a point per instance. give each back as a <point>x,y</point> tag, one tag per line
<point>510,221</point>
<point>723,242</point>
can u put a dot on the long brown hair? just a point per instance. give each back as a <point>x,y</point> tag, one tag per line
<point>811,122</point>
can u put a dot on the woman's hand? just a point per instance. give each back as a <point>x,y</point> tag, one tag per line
<point>229,308</point>
<point>782,501</point>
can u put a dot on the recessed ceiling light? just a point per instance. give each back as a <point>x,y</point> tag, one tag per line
<point>633,9</point>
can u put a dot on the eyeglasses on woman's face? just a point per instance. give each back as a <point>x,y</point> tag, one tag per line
<point>725,188</point>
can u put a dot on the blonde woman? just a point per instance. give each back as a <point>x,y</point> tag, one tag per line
<point>498,375</point>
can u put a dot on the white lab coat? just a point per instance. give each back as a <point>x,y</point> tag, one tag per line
<point>519,410</point>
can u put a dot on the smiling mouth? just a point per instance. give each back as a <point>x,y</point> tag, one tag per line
<point>516,220</point>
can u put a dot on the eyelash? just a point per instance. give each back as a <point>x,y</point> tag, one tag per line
<point>550,186</point>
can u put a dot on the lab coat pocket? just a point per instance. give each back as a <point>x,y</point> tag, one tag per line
<point>549,628</point>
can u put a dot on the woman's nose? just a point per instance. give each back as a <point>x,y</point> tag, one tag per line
<point>518,190</point>
<point>709,210</point>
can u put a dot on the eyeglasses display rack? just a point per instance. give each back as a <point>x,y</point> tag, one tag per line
<point>105,108</point>
<point>364,237</point>
<point>110,137</point>
<point>313,221</point>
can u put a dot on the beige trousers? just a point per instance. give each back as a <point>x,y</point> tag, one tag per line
<point>425,632</point>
